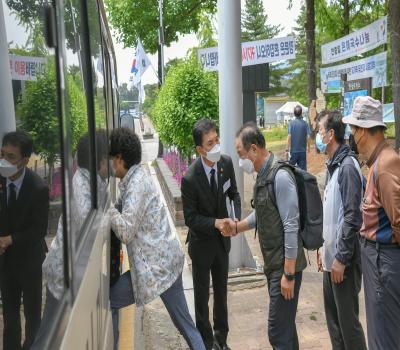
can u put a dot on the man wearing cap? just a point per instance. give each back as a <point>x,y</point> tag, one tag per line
<point>380,232</point>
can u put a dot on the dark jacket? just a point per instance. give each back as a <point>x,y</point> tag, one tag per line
<point>350,187</point>
<point>27,223</point>
<point>201,209</point>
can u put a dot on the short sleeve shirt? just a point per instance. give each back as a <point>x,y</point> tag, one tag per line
<point>299,130</point>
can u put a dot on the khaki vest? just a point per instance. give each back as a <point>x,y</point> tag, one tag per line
<point>270,229</point>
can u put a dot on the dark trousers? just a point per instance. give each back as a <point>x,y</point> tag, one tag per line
<point>299,159</point>
<point>381,271</point>
<point>50,308</point>
<point>15,285</point>
<point>282,332</point>
<point>342,310</point>
<point>201,285</point>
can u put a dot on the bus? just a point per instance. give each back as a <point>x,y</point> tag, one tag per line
<point>62,84</point>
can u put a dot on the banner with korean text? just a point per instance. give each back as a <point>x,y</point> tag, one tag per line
<point>370,67</point>
<point>26,67</point>
<point>356,43</point>
<point>253,52</point>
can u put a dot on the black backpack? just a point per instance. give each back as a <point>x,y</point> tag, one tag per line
<point>310,204</point>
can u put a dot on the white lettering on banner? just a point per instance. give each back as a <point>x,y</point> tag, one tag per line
<point>371,67</point>
<point>253,52</point>
<point>362,40</point>
<point>26,67</point>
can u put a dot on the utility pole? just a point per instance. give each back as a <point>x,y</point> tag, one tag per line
<point>7,112</point>
<point>231,107</point>
<point>160,63</point>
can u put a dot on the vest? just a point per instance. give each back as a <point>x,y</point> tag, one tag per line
<point>270,230</point>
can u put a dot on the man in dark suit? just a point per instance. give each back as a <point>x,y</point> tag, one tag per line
<point>24,204</point>
<point>208,188</point>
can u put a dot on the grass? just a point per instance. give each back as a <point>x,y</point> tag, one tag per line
<point>313,316</point>
<point>390,131</point>
<point>277,133</point>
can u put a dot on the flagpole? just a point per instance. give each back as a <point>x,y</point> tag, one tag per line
<point>139,87</point>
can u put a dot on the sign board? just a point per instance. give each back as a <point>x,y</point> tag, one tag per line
<point>388,113</point>
<point>349,98</point>
<point>371,67</point>
<point>356,43</point>
<point>359,84</point>
<point>253,52</point>
<point>26,67</point>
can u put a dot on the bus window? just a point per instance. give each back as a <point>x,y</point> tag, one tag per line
<point>34,185</point>
<point>99,89</point>
<point>81,201</point>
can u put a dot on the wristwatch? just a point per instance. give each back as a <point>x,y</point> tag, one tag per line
<point>289,276</point>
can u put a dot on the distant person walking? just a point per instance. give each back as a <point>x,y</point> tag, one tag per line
<point>298,134</point>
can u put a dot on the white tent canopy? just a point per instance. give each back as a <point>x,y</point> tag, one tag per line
<point>286,112</point>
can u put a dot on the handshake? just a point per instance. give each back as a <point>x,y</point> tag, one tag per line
<point>227,227</point>
<point>5,242</point>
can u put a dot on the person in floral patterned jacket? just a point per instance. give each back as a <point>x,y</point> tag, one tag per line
<point>139,219</point>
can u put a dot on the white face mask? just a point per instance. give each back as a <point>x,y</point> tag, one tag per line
<point>247,165</point>
<point>7,169</point>
<point>214,155</point>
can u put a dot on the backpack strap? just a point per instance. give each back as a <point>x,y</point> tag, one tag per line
<point>271,183</point>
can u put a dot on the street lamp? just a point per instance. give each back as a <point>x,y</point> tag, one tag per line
<point>161,42</point>
<point>160,63</point>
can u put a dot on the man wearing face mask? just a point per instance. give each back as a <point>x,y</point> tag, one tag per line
<point>207,184</point>
<point>340,259</point>
<point>380,231</point>
<point>24,204</point>
<point>277,225</point>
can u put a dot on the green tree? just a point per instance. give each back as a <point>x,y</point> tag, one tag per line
<point>188,95</point>
<point>207,30</point>
<point>151,91</point>
<point>39,116</point>
<point>254,22</point>
<point>140,19</point>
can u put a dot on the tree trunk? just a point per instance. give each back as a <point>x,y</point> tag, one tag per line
<point>310,49</point>
<point>346,17</point>
<point>394,21</point>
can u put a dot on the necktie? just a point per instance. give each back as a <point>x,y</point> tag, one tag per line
<point>12,195</point>
<point>213,184</point>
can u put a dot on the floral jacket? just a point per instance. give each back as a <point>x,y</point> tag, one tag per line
<point>155,254</point>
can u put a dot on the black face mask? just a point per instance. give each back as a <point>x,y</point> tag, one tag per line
<point>353,144</point>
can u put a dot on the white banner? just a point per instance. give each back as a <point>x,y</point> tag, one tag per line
<point>26,67</point>
<point>373,66</point>
<point>253,52</point>
<point>362,40</point>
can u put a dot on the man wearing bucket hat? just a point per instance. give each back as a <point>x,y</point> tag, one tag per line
<point>380,232</point>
